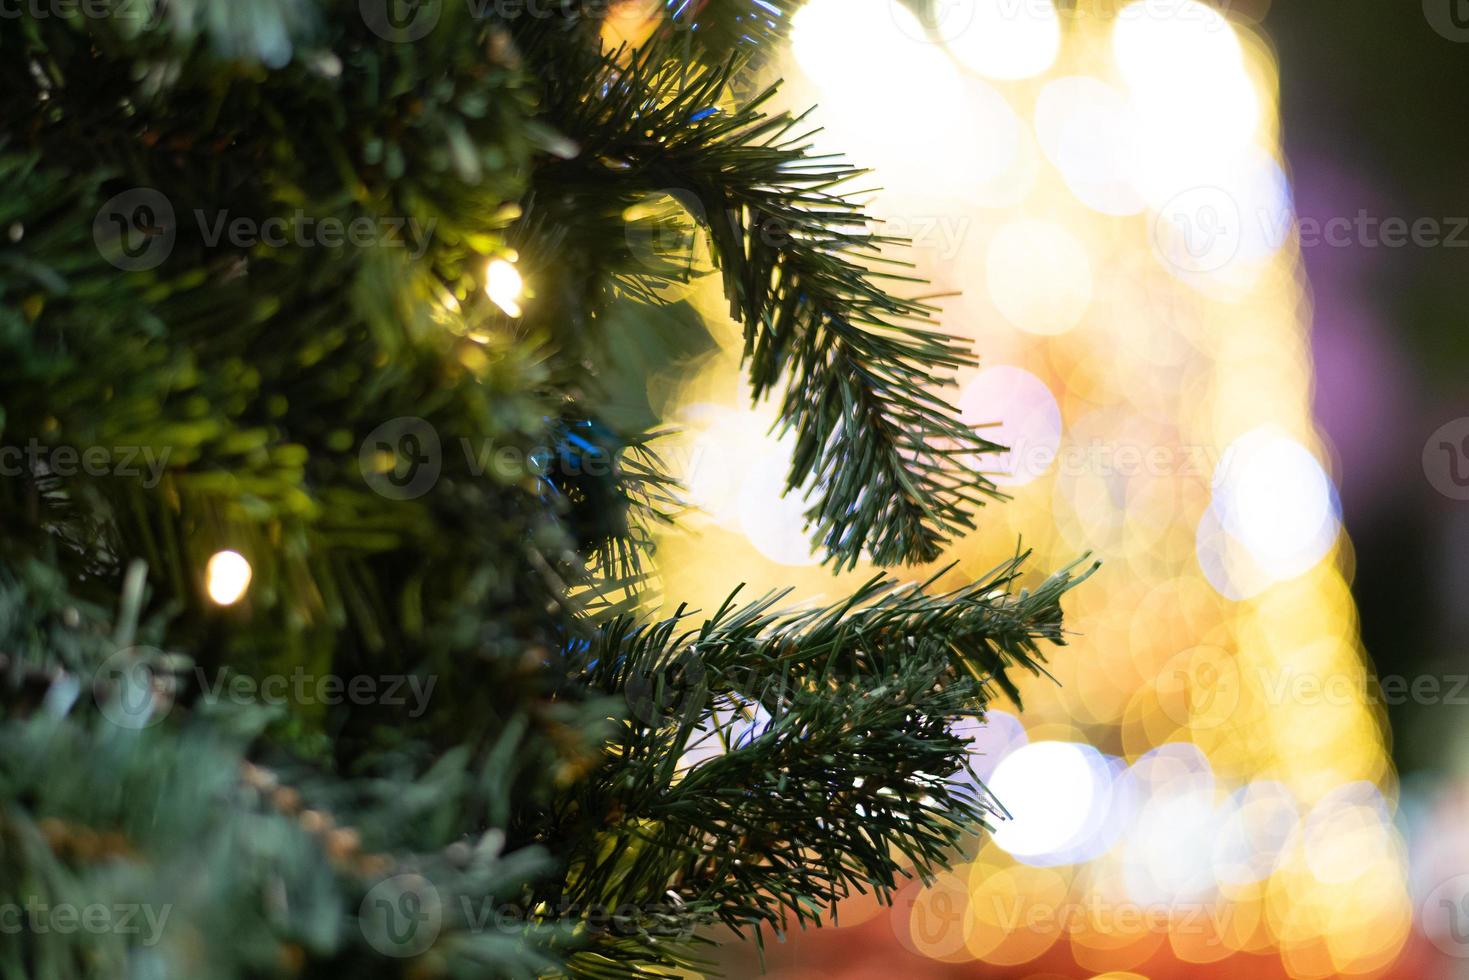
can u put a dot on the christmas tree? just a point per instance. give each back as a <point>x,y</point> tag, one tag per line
<point>329,479</point>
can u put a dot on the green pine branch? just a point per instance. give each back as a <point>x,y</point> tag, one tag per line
<point>847,782</point>
<point>712,30</point>
<point>888,461</point>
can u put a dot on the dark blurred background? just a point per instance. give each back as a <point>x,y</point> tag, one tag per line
<point>1372,100</point>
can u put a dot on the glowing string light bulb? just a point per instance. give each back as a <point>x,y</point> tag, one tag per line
<point>227,577</point>
<point>504,286</point>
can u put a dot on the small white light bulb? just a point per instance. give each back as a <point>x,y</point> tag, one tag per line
<point>504,286</point>
<point>227,577</point>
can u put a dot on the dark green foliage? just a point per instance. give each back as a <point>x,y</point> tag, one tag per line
<point>847,767</point>
<point>436,493</point>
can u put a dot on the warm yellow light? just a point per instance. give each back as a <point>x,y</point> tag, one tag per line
<point>1051,791</point>
<point>1193,101</point>
<point>1122,231</point>
<point>504,286</point>
<point>1040,276</point>
<point>1007,40</point>
<point>832,40</point>
<point>903,121</point>
<point>1088,131</point>
<point>630,24</point>
<point>1273,497</point>
<point>735,472</point>
<point>227,577</point>
<point>1018,412</point>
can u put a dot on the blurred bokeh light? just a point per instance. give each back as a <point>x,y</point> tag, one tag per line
<point>1207,780</point>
